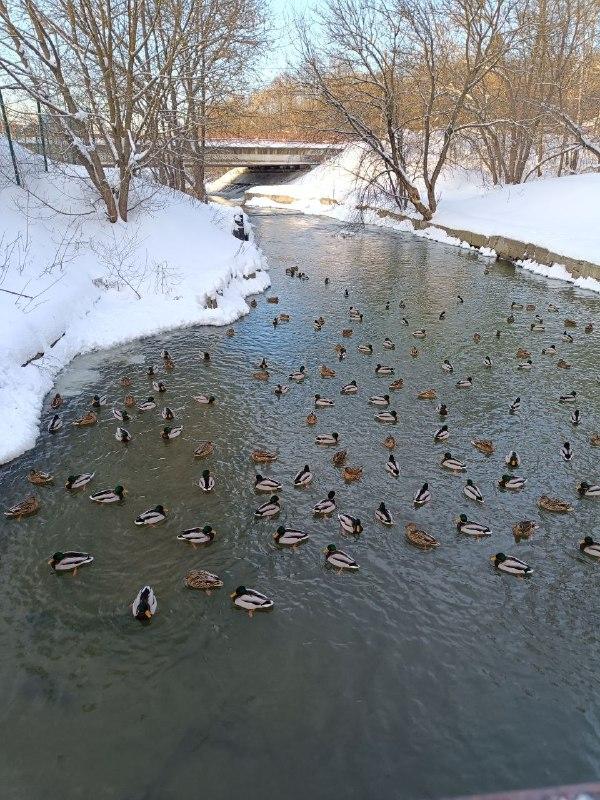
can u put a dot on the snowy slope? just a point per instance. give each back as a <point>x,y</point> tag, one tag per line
<point>101,284</point>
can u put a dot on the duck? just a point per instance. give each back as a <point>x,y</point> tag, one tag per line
<point>351,474</point>
<point>568,398</point>
<point>566,337</point>
<point>464,525</point>
<point>526,365</point>
<point>389,442</point>
<point>168,364</point>
<point>151,372</point>
<point>549,351</point>
<point>419,538</point>
<point>145,605</point>
<point>284,317</point>
<point>512,459</point>
<point>349,388</point>
<point>595,440</point>
<point>516,405</point>
<point>125,381</point>
<point>107,496</point>
<point>427,394</point>
<point>381,369</point>
<point>511,565</point>
<point>442,410</point>
<point>55,424</point>
<point>129,401</point>
<point>452,464</point>
<point>522,353</point>
<point>339,560</point>
<point>204,450</point>
<point>379,400</point>
<point>537,327</point>
<point>401,304</point>
<point>280,390</point>
<point>88,419</point>
<point>251,600</point>
<point>122,416</point>
<point>472,492</point>
<point>441,434</point>
<point>552,308</point>
<point>56,402</point>
<point>567,452</point>
<point>323,402</point>
<point>485,446</point>
<point>589,328</point>
<point>147,405</point>
<point>154,516</point>
<point>350,524</point>
<point>396,385</point>
<point>197,536</point>
<point>122,435</point>
<point>588,490</point>
<point>414,352</point>
<point>510,319</point>
<point>442,316</point>
<point>303,477</point>
<point>588,546</point>
<point>422,496</point>
<point>530,307</point>
<point>261,375</point>
<point>367,349</point>
<point>39,478</point>
<point>570,323</point>
<point>447,366</point>
<point>339,458</point>
<point>167,414</point>
<point>269,509</point>
<point>290,537</point>
<point>487,362</point>
<point>388,344</point>
<point>420,334</point>
<point>326,372</point>
<point>24,508</point>
<point>69,561</point>
<point>524,529</point>
<point>206,357</point>
<point>263,456</point>
<point>576,417</point>
<point>202,580</point>
<point>327,439</point>
<point>206,482</point>
<point>459,299</point>
<point>169,433</point>
<point>159,386</point>
<point>512,483</point>
<point>326,506</point>
<point>298,375</point>
<point>230,332</point>
<point>386,417</point>
<point>98,402</point>
<point>253,303</point>
<point>347,333</point>
<point>562,364</point>
<point>263,364</point>
<point>266,484</point>
<point>392,466</point>
<point>383,515</point>
<point>465,383</point>
<point>477,339</point>
<point>516,306</point>
<point>75,482</point>
<point>311,419</point>
<point>554,504</point>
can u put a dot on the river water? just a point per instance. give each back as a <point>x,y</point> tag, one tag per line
<point>425,673</point>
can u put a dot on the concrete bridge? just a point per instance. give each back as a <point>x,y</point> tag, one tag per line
<point>268,154</point>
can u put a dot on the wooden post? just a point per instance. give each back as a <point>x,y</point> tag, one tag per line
<point>9,137</point>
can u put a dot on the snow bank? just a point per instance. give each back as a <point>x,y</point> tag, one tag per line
<point>89,284</point>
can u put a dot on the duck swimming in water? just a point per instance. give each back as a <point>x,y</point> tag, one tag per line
<point>465,383</point>
<point>447,366</point>
<point>326,506</point>
<point>69,561</point>
<point>109,496</point>
<point>198,536</point>
<point>567,452</point>
<point>269,509</point>
<point>167,414</point>
<point>349,388</point>
<point>203,580</point>
<point>350,524</point>
<point>25,508</point>
<point>485,446</point>
<point>169,433</point>
<point>98,402</point>
<point>554,504</point>
<point>88,419</point>
<point>303,477</point>
<point>512,483</point>
<point>122,416</point>
<point>39,478</point>
<point>453,464</point>
<point>487,362</point>
<point>419,538</point>
<point>381,369</point>
<point>339,560</point>
<point>514,409</point>
<point>442,410</point>
<point>327,439</point>
<point>122,435</point>
<point>154,516</point>
<point>145,605</point>
<point>266,484</point>
<point>422,496</point>
<point>588,490</point>
<point>441,434</point>
<point>512,459</point>
<point>76,482</point>
<point>298,375</point>
<point>206,482</point>
<point>463,525</point>
<point>392,466</point>
<point>379,400</point>
<point>575,417</point>
<point>472,492</point>
<point>55,424</point>
<point>589,547</point>
<point>290,537</point>
<point>383,515</point>
<point>323,402</point>
<point>568,398</point>
<point>147,405</point>
<point>251,600</point>
<point>387,417</point>
<point>511,565</point>
<point>367,349</point>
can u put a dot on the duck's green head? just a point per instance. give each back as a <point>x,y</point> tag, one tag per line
<point>206,473</point>
<point>505,478</point>
<point>447,455</point>
<point>425,486</point>
<point>159,509</point>
<point>119,490</point>
<point>167,430</point>
<point>207,529</point>
<point>239,591</point>
<point>469,482</point>
<point>71,480</point>
<point>280,530</point>
<point>56,558</point>
<point>335,435</point>
<point>274,499</point>
<point>211,399</point>
<point>259,478</point>
<point>500,557</point>
<point>331,548</point>
<point>463,518</point>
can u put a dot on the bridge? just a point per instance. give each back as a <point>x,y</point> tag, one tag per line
<point>267,154</point>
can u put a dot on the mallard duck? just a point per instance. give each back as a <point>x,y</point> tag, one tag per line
<point>323,402</point>
<point>147,405</point>
<point>389,442</point>
<point>280,390</point>
<point>311,419</point>
<point>567,452</point>
<point>253,303</point>
<point>266,484</point>
<point>419,538</point>
<point>422,496</point>
<point>386,417</point>
<point>414,352</point>
<point>263,456</point>
<point>351,474</point>
<point>553,504</point>
<point>129,401</point>
<point>39,478</point>
<point>55,424</point>
<point>459,299</point>
<point>56,402</point>
<point>514,409</point>
<point>392,466</point>
<point>326,506</point>
<point>381,369</point>
<point>595,440</point>
<point>298,375</point>
<point>269,509</point>
<point>326,372</point>
<point>427,394</point>
<point>125,381</point>
<point>169,433</point>
<point>383,515</point>
<point>549,351</point>
<point>442,410</point>
<point>303,477</point>
<point>510,319</point>
<point>537,327</point>
<point>379,400</point>
<point>151,372</point>
<point>196,536</point>
<point>441,434</point>
<point>122,416</point>
<point>472,492</point>
<point>562,364</point>
<point>327,439</point>
<point>98,402</point>
<point>145,605</point>
<point>485,446</point>
<point>452,464</point>
<point>339,560</point>
<point>75,482</point>
<point>263,364</point>
<point>159,386</point>
<point>250,600</point>
<point>570,323</point>
<point>88,419</point>
<point>290,537</point>
<point>206,358</point>
<point>566,337</point>
<point>261,375</point>
<point>516,306</point>
<point>524,529</point>
<point>273,300</point>
<point>284,318</point>
<point>463,525</point>
<point>512,459</point>
<point>206,482</point>
<point>511,565</point>
<point>154,516</point>
<point>512,483</point>
<point>420,334</point>
<point>122,435</point>
<point>204,450</point>
<point>229,332</point>
<point>69,561</point>
<point>589,328</point>
<point>396,385</point>
<point>442,316</point>
<point>107,496</point>
<point>25,508</point>
<point>347,333</point>
<point>388,344</point>
<point>354,313</point>
<point>568,398</point>
<point>339,458</point>
<point>575,417</point>
<point>167,414</point>
<point>588,490</point>
<point>526,365</point>
<point>590,547</point>
<point>465,383</point>
<point>447,366</point>
<point>530,307</point>
<point>552,308</point>
<point>476,338</point>
<point>350,524</point>
<point>367,349</point>
<point>349,388</point>
<point>203,581</point>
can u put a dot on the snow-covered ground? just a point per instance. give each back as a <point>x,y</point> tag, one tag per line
<point>83,283</point>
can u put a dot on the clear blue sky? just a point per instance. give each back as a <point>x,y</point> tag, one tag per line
<point>281,51</point>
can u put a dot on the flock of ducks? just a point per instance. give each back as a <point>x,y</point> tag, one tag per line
<point>145,604</point>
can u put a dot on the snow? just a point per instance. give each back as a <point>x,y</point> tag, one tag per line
<point>101,284</point>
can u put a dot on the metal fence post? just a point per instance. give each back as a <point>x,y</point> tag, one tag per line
<point>10,142</point>
<point>42,137</point>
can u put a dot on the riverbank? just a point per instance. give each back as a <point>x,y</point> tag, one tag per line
<point>72,282</point>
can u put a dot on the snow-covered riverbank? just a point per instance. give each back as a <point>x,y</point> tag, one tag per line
<point>72,282</point>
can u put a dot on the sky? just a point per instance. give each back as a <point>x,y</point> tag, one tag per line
<point>278,55</point>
